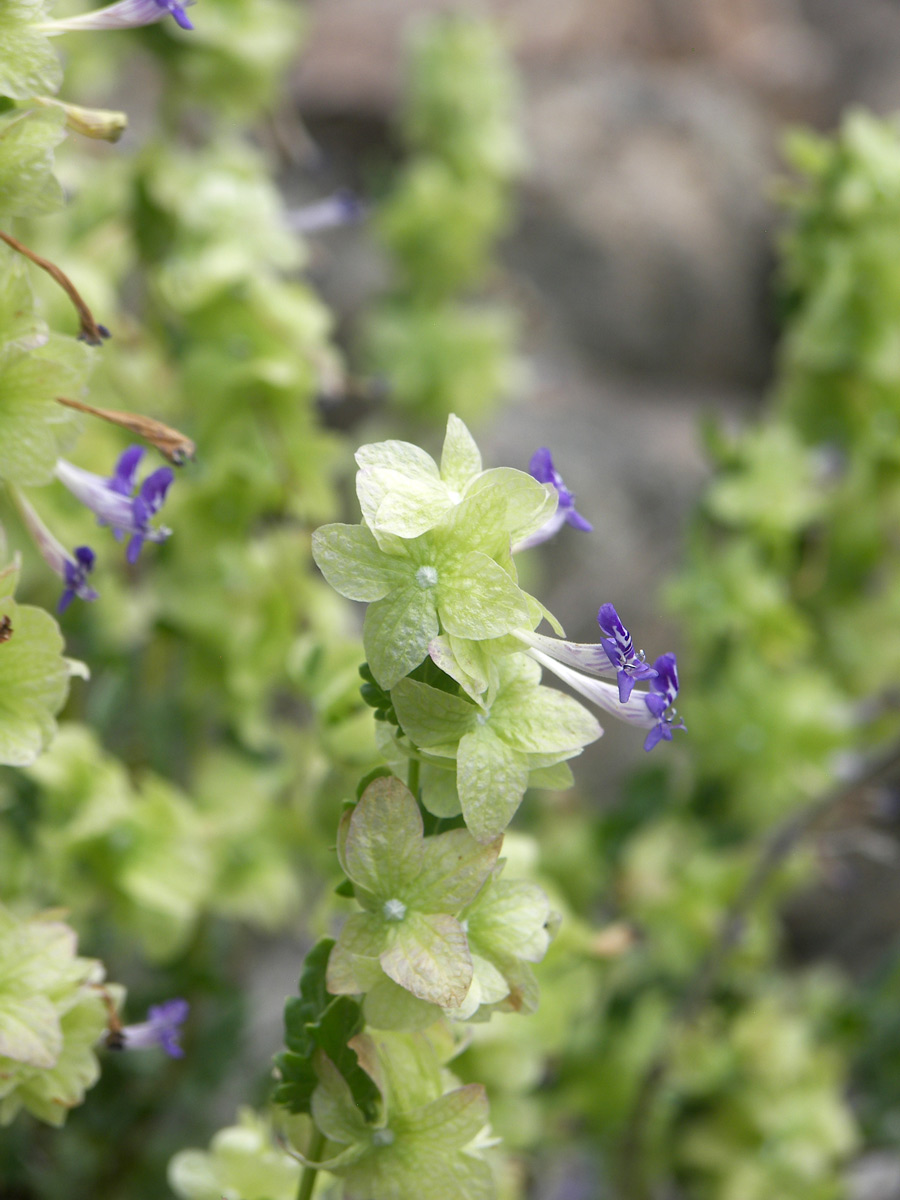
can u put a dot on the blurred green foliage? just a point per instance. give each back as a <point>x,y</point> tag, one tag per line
<point>193,792</point>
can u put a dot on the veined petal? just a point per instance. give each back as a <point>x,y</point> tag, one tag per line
<point>354,564</point>
<point>604,695</point>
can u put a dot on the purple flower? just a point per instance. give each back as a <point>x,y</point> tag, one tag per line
<point>616,641</point>
<point>541,467</point>
<point>580,664</point>
<point>73,569</point>
<point>126,14</point>
<point>162,1028</point>
<point>664,689</point>
<point>341,208</point>
<point>113,500</point>
<point>75,573</point>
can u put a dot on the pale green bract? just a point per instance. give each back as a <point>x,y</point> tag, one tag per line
<point>527,727</point>
<point>427,1143</point>
<point>29,65</point>
<point>410,888</point>
<point>52,1013</point>
<point>242,1163</point>
<point>28,138</point>
<point>34,676</point>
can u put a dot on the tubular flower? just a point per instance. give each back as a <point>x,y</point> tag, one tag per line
<point>73,569</point>
<point>542,469</point>
<point>579,664</point>
<point>664,689</point>
<point>162,1028</point>
<point>114,503</point>
<point>341,208</point>
<point>630,665</point>
<point>126,14</point>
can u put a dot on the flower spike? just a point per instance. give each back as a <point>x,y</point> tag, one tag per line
<point>126,14</point>
<point>542,469</point>
<point>616,641</point>
<point>112,501</point>
<point>162,1028</point>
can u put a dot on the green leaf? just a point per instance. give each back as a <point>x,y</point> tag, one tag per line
<point>396,632</point>
<point>27,141</point>
<point>460,458</point>
<point>29,65</point>
<point>34,683</point>
<point>383,850</point>
<point>477,599</point>
<point>491,779</point>
<point>314,1020</point>
<point>540,720</point>
<point>430,716</point>
<point>354,564</point>
<point>34,429</point>
<point>430,958</point>
<point>528,504</point>
<point>22,327</point>
<point>389,1006</point>
<point>455,867</point>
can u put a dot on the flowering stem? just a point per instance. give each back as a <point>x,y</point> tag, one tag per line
<point>308,1178</point>
<point>90,332</point>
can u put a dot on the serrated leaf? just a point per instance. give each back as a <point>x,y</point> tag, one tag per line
<point>315,1020</point>
<point>27,141</point>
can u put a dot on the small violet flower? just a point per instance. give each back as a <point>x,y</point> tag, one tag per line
<point>542,469</point>
<point>114,502</point>
<point>126,14</point>
<point>73,569</point>
<point>341,208</point>
<point>580,664</point>
<point>664,689</point>
<point>616,641</point>
<point>162,1028</point>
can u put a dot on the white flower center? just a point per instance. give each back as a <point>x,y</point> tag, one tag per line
<point>383,1137</point>
<point>393,910</point>
<point>426,577</point>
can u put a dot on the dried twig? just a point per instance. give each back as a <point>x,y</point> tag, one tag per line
<point>90,331</point>
<point>176,446</point>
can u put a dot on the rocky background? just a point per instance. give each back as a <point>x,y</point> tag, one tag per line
<point>643,250</point>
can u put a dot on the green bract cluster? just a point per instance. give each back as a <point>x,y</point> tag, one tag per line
<point>428,1137</point>
<point>52,1012</point>
<point>442,350</point>
<point>433,556</point>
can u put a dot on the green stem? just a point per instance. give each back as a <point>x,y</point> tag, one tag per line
<point>413,779</point>
<point>308,1178</point>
